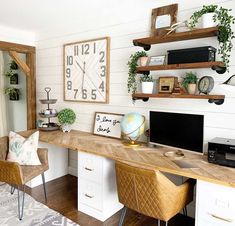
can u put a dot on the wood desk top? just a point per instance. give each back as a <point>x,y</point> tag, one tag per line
<point>143,156</point>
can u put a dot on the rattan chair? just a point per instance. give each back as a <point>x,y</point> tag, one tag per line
<point>150,192</point>
<point>17,176</point>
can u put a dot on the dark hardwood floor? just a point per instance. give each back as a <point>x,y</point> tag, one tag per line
<point>62,197</point>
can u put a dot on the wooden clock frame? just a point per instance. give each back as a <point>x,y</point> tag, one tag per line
<point>107,70</point>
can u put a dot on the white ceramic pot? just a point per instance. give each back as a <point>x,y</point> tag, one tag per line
<point>208,21</point>
<point>66,128</point>
<point>192,88</point>
<point>143,61</point>
<point>147,87</point>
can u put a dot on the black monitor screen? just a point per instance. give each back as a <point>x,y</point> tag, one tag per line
<point>184,131</point>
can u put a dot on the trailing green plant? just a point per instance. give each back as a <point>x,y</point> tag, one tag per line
<point>12,69</point>
<point>66,116</point>
<point>146,78</point>
<point>190,78</point>
<point>133,63</point>
<point>11,91</point>
<point>225,34</point>
<point>10,73</point>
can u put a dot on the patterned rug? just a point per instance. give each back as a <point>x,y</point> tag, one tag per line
<point>35,213</point>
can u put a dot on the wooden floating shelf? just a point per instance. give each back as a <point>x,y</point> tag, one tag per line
<point>217,99</point>
<point>215,65</point>
<point>173,37</point>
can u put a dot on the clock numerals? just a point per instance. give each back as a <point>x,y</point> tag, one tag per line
<point>68,72</point>
<point>75,93</point>
<point>69,60</point>
<point>102,86</point>
<point>93,94</point>
<point>69,85</point>
<point>75,50</point>
<point>102,55</point>
<point>103,69</point>
<point>85,49</point>
<point>84,94</point>
<point>94,49</point>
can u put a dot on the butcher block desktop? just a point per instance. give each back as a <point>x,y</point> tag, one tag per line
<point>143,156</point>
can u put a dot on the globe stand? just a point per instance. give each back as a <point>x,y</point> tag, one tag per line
<point>132,143</point>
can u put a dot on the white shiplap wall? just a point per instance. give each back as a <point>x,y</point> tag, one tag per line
<point>122,28</point>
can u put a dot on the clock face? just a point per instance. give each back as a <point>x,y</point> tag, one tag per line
<point>205,84</point>
<point>86,71</point>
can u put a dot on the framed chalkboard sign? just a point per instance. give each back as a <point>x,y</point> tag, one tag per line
<point>107,124</point>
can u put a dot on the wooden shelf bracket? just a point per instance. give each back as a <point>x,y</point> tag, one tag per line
<point>146,47</point>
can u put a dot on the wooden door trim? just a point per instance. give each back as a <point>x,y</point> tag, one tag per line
<point>30,79</point>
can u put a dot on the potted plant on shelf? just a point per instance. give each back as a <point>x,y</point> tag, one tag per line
<point>13,93</point>
<point>12,73</point>
<point>146,84</point>
<point>133,63</point>
<point>66,118</point>
<point>190,82</point>
<point>224,20</point>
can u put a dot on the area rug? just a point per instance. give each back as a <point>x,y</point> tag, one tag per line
<point>35,213</point>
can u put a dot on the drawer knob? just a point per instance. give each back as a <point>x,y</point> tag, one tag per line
<point>89,196</point>
<point>88,169</point>
<point>220,218</point>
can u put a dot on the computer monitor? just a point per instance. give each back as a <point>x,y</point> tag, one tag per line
<point>181,131</point>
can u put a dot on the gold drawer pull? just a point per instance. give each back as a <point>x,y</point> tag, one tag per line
<point>89,169</point>
<point>220,218</point>
<point>89,196</point>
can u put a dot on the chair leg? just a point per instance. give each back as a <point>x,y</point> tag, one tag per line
<point>185,212</point>
<point>12,189</point>
<point>44,186</point>
<point>159,223</point>
<point>21,202</point>
<point>122,217</point>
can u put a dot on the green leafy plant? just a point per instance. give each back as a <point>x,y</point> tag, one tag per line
<point>13,65</point>
<point>66,116</point>
<point>12,92</point>
<point>133,63</point>
<point>146,78</point>
<point>225,35</point>
<point>190,78</point>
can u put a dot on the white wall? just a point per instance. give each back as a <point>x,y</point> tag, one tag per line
<point>122,27</point>
<point>8,34</point>
<point>129,20</point>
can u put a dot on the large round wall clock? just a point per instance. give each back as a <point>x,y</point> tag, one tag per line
<point>86,70</point>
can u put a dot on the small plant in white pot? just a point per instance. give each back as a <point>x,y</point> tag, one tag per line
<point>190,82</point>
<point>147,84</point>
<point>66,118</point>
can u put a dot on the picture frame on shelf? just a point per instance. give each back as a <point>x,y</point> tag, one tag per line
<point>162,19</point>
<point>107,124</point>
<point>157,60</point>
<point>167,84</point>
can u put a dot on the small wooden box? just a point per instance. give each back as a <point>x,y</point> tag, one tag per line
<point>167,84</point>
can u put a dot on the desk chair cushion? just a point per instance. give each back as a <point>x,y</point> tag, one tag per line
<point>23,151</point>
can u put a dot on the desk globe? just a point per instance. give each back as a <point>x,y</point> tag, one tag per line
<point>132,126</point>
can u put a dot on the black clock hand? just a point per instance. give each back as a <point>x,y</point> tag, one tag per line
<point>80,67</point>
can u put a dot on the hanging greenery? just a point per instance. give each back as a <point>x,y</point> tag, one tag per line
<point>133,63</point>
<point>225,35</point>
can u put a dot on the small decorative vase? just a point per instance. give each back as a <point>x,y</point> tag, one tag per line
<point>143,61</point>
<point>192,88</point>
<point>147,87</point>
<point>66,128</point>
<point>208,21</point>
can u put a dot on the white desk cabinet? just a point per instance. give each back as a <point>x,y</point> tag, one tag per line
<point>215,205</point>
<point>97,190</point>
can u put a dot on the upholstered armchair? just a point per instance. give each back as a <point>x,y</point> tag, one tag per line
<point>151,193</point>
<point>17,175</point>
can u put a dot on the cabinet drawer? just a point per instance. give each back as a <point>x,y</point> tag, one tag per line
<point>215,204</point>
<point>90,194</point>
<point>90,167</point>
